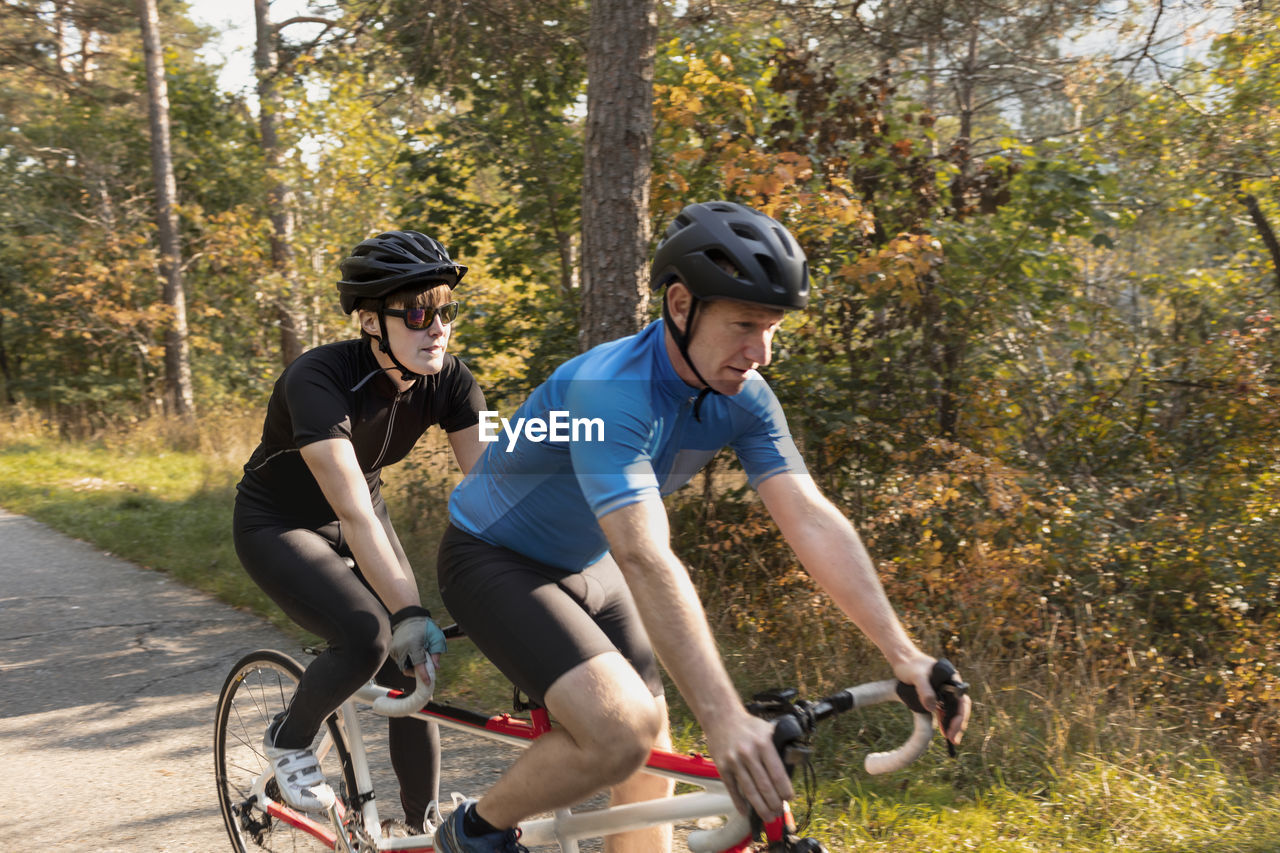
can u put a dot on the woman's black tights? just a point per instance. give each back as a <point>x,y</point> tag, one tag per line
<point>306,574</point>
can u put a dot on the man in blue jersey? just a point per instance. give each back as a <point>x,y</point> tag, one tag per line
<point>558,563</point>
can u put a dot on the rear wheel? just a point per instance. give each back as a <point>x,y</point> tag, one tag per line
<point>259,687</point>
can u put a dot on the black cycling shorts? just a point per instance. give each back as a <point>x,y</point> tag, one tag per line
<point>536,622</point>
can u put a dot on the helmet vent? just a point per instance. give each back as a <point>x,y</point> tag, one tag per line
<point>785,241</point>
<point>724,262</point>
<point>746,232</point>
<point>771,269</point>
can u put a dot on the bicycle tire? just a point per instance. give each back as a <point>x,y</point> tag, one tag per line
<point>258,687</point>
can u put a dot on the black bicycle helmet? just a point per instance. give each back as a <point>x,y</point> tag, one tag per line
<point>392,261</point>
<point>707,238</point>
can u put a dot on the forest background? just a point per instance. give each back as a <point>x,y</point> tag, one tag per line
<point>1039,370</point>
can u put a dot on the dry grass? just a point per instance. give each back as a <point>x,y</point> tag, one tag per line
<point>1054,760</point>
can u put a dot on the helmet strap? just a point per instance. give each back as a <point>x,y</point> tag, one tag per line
<point>383,344</point>
<point>682,337</point>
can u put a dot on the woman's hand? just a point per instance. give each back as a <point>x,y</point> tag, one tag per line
<point>415,639</point>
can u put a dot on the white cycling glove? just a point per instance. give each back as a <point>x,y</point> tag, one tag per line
<point>414,637</point>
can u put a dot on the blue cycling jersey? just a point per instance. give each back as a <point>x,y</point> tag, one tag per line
<point>620,429</point>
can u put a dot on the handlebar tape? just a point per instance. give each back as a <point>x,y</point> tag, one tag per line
<point>949,689</point>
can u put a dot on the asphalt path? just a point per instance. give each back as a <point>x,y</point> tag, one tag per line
<point>109,678</point>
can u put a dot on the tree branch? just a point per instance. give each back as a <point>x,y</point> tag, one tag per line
<point>1265,230</point>
<point>305,19</point>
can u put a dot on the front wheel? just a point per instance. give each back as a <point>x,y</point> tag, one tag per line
<point>259,687</point>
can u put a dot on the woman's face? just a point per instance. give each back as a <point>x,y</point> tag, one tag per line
<point>420,350</point>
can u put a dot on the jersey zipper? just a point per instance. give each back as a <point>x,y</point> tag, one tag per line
<point>391,422</point>
<point>671,450</point>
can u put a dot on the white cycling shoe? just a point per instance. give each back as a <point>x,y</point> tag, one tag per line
<point>298,775</point>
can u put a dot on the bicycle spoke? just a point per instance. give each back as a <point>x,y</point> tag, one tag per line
<point>260,688</point>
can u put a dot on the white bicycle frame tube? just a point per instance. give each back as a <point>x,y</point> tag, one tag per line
<point>566,827</point>
<point>360,767</point>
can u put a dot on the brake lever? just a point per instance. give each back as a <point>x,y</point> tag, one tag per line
<point>949,689</point>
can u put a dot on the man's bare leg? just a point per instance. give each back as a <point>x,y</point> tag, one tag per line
<point>644,786</point>
<point>606,722</point>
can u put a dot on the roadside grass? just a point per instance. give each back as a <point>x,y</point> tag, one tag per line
<point>170,510</point>
<point>1059,768</point>
<point>1099,805</point>
<point>161,496</point>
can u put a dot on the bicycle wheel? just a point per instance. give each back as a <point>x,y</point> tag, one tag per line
<point>259,687</point>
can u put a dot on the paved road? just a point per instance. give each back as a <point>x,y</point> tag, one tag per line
<point>109,675</point>
<point>108,678</point>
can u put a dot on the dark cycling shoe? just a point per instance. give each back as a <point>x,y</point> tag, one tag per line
<point>451,838</point>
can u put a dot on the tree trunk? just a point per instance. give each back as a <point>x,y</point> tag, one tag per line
<point>617,165</point>
<point>179,398</point>
<point>5,372</point>
<point>280,198</point>
<point>962,148</point>
<point>1265,231</point>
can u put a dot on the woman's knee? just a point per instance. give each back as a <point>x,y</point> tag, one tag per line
<point>365,639</point>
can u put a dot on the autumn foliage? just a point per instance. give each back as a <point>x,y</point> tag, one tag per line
<point>1041,497</point>
<point>1038,370</point>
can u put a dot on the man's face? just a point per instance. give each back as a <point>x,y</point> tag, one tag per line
<point>729,339</point>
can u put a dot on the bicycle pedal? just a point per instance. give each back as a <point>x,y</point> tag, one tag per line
<point>433,818</point>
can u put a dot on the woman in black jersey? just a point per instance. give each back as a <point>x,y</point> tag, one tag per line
<point>311,527</point>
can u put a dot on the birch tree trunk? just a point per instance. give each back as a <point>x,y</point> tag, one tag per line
<point>179,398</point>
<point>280,198</point>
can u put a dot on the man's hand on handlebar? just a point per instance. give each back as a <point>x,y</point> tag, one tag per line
<point>743,749</point>
<point>940,692</point>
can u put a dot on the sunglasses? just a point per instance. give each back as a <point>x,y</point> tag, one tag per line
<point>421,318</point>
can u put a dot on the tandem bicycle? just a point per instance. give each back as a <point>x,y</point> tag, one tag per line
<point>262,682</point>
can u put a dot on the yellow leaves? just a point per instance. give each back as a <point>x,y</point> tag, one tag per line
<point>703,91</point>
<point>677,182</point>
<point>733,174</point>
<point>765,185</point>
<point>1258,186</point>
<point>845,211</point>
<point>682,106</point>
<point>897,269</point>
<point>760,179</point>
<point>784,176</point>
<point>856,271</point>
<point>945,495</point>
<point>792,167</point>
<point>686,155</point>
<point>708,122</point>
<point>932,557</point>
